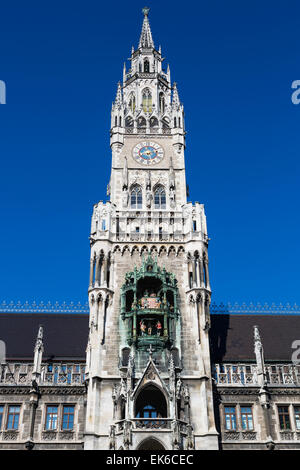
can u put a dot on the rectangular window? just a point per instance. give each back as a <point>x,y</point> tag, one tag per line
<point>68,417</point>
<point>284,417</point>
<point>13,417</point>
<point>230,418</point>
<point>51,418</point>
<point>247,418</point>
<point>297,417</point>
<point>1,415</point>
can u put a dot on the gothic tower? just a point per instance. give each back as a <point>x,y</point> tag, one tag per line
<point>148,362</point>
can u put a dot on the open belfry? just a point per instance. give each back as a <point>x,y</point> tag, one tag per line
<point>148,359</point>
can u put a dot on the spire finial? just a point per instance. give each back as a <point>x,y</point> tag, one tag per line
<point>146,36</point>
<point>146,10</point>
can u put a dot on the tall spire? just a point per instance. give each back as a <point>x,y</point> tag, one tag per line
<point>146,35</point>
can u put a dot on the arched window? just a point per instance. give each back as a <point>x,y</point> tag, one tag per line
<point>150,444</point>
<point>161,103</point>
<point>147,100</point>
<point>175,123</point>
<point>151,404</point>
<point>141,122</point>
<point>146,66</point>
<point>165,123</point>
<point>116,121</point>
<point>160,198</point>
<point>129,121</point>
<point>120,121</point>
<point>153,122</point>
<point>132,102</point>
<point>125,356</point>
<point>136,198</point>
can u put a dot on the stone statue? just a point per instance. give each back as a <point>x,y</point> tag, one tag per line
<point>125,198</point>
<point>149,198</point>
<point>172,197</point>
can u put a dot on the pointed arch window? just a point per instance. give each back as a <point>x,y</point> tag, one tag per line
<point>146,66</point>
<point>147,101</point>
<point>150,403</point>
<point>154,122</point>
<point>129,121</point>
<point>160,198</point>
<point>136,198</point>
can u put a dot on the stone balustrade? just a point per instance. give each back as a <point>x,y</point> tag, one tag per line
<point>246,374</point>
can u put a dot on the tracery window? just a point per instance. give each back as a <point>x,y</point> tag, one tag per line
<point>160,198</point>
<point>136,198</point>
<point>147,100</point>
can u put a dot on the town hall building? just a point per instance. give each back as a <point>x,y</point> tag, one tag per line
<point>149,363</point>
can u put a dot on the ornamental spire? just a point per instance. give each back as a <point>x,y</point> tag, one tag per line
<point>38,355</point>
<point>119,98</point>
<point>259,353</point>
<point>146,35</point>
<point>176,101</point>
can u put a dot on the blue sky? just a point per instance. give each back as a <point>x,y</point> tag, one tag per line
<point>234,63</point>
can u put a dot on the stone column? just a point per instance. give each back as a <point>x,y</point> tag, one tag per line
<point>194,273</point>
<point>201,278</point>
<point>104,271</point>
<point>29,444</point>
<point>92,264</point>
<point>206,273</point>
<point>97,273</point>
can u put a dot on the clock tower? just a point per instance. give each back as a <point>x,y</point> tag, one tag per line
<point>148,363</point>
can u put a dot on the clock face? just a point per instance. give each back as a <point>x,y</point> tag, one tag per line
<point>148,153</point>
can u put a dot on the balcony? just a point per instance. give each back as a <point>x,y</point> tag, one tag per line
<point>51,374</point>
<point>246,375</point>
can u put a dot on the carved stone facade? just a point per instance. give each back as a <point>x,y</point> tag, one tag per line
<point>148,367</point>
<point>149,288</point>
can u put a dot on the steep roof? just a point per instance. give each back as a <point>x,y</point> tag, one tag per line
<point>65,335</point>
<point>232,336</point>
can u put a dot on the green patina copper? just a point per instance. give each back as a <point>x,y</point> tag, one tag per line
<point>149,305</point>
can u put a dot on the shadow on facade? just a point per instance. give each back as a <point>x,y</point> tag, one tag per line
<point>218,347</point>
